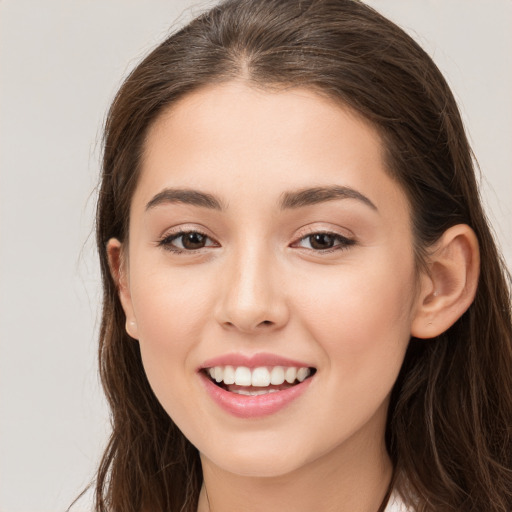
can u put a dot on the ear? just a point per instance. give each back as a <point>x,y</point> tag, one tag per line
<point>449,287</point>
<point>119,270</point>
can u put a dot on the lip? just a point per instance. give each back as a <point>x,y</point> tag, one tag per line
<point>253,361</point>
<point>257,406</point>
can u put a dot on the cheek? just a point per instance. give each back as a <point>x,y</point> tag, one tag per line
<point>362,317</point>
<point>363,328</point>
<point>171,315</point>
<point>170,306</point>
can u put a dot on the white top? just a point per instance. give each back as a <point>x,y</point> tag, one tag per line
<point>395,504</point>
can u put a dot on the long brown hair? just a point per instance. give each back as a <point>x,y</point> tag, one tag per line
<point>450,418</point>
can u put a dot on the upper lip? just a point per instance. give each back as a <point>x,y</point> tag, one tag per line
<point>253,361</point>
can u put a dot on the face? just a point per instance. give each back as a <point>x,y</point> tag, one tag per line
<point>269,250</point>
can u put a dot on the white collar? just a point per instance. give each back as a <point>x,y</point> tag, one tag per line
<point>396,504</point>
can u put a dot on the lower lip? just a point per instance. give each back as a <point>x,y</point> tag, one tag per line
<point>253,406</point>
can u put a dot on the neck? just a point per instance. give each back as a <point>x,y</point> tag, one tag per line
<point>354,477</point>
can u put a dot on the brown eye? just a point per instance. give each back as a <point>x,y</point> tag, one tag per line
<point>324,241</point>
<point>187,241</point>
<point>193,240</point>
<point>321,241</point>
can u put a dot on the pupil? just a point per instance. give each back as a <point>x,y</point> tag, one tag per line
<point>321,241</point>
<point>193,241</point>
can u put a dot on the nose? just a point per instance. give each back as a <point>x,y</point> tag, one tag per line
<point>253,299</point>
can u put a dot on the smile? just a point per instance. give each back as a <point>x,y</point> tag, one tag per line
<point>258,388</point>
<point>243,380</point>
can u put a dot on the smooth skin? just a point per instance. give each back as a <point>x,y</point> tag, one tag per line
<point>332,282</point>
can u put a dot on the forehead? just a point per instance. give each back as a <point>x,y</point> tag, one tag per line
<point>232,139</point>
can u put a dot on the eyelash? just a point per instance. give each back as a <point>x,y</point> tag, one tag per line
<point>342,243</point>
<point>166,242</point>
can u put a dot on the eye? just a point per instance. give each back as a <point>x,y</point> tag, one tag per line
<point>187,241</point>
<point>323,241</point>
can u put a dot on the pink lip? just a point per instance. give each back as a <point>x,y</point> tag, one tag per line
<point>253,361</point>
<point>244,406</point>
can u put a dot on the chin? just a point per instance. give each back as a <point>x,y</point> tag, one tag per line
<point>257,466</point>
<point>260,456</point>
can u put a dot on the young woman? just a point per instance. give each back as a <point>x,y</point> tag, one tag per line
<point>304,308</point>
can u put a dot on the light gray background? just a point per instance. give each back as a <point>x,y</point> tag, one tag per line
<point>60,63</point>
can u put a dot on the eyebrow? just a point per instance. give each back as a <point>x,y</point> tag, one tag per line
<point>185,196</point>
<point>289,200</point>
<point>311,196</point>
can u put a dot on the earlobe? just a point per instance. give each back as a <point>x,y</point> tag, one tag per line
<point>118,269</point>
<point>449,287</point>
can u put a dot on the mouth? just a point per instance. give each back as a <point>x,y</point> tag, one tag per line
<point>261,380</point>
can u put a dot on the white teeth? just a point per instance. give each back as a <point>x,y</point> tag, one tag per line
<point>277,375</point>
<point>302,373</point>
<point>243,376</point>
<point>219,374</point>
<point>229,375</point>
<point>290,374</point>
<point>262,376</point>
